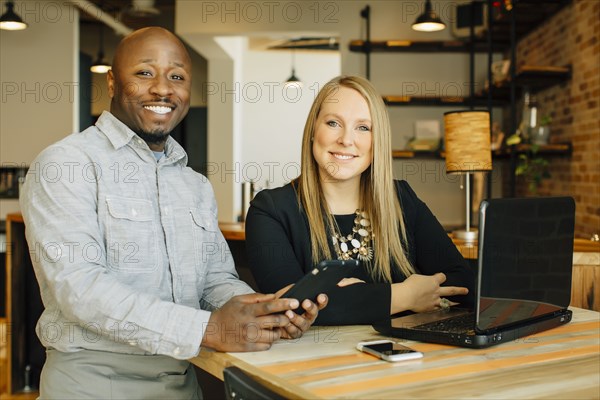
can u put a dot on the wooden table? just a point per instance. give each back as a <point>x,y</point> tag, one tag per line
<point>560,363</point>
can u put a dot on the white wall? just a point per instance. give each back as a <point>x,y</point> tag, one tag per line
<point>274,116</point>
<point>390,73</point>
<point>39,78</point>
<point>250,114</point>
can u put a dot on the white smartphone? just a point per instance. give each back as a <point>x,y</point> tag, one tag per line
<point>388,350</point>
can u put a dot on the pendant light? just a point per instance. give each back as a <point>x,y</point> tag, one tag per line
<point>293,80</point>
<point>143,9</point>
<point>100,66</point>
<point>428,21</point>
<point>10,21</point>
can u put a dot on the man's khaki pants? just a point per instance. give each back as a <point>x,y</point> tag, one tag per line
<point>90,374</point>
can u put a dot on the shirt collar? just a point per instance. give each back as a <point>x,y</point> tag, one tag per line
<point>117,132</point>
<point>120,135</point>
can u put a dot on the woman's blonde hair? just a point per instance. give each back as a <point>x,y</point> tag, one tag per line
<point>377,190</point>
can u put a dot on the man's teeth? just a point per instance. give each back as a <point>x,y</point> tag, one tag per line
<point>342,156</point>
<point>159,109</point>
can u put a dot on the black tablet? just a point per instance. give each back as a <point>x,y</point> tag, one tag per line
<point>321,279</point>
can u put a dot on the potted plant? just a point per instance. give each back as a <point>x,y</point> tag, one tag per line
<point>531,166</point>
<point>541,134</point>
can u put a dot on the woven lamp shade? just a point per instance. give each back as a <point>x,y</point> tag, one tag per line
<point>467,135</point>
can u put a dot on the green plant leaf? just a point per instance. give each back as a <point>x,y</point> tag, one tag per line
<point>513,139</point>
<point>533,187</point>
<point>546,120</point>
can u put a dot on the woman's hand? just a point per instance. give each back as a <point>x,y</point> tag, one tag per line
<point>420,293</point>
<point>349,281</point>
<point>283,290</point>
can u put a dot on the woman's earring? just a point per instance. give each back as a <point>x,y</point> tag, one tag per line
<point>312,138</point>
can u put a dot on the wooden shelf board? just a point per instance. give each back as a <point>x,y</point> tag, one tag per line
<point>445,101</point>
<point>535,78</point>
<point>416,46</point>
<point>529,14</point>
<point>399,154</point>
<point>554,149</point>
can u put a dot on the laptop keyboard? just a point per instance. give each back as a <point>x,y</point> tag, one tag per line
<point>458,324</point>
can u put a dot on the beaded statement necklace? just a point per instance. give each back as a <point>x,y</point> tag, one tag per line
<point>353,246</point>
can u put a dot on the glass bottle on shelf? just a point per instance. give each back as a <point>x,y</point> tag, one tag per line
<point>529,118</point>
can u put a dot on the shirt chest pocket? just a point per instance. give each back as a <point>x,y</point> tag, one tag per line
<point>204,228</point>
<point>131,235</point>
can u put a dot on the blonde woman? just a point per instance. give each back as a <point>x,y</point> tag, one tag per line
<point>346,204</point>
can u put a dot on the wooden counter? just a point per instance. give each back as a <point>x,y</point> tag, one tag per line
<point>585,291</point>
<point>233,230</point>
<point>236,231</point>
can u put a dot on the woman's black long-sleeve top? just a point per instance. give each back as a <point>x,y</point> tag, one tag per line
<point>279,253</point>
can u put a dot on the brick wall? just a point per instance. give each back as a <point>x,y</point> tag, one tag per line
<point>571,37</point>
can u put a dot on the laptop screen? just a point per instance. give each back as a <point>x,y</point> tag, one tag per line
<point>525,259</point>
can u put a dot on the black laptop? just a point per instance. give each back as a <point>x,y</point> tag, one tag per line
<point>524,277</point>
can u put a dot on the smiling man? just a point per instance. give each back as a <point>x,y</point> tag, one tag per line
<point>150,85</point>
<point>127,250</point>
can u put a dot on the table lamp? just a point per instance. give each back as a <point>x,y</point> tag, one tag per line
<point>467,135</point>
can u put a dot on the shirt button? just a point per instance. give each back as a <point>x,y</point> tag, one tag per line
<point>177,351</point>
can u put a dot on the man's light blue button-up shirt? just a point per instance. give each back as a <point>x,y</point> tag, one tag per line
<point>127,250</point>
